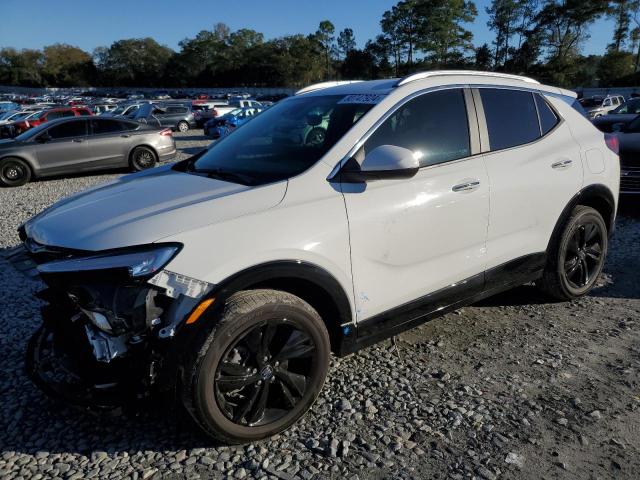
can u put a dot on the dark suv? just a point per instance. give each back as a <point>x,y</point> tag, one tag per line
<point>176,117</point>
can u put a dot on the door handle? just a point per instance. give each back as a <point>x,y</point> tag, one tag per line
<point>562,164</point>
<point>467,186</point>
<point>78,140</point>
<point>125,136</point>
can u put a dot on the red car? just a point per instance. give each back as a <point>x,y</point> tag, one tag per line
<point>47,115</point>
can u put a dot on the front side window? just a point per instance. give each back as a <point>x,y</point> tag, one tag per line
<point>284,141</point>
<point>511,117</point>
<point>68,130</point>
<point>434,126</point>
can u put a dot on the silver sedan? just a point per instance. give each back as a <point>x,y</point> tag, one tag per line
<point>75,145</point>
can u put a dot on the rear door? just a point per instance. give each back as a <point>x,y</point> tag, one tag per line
<point>109,143</point>
<point>67,149</point>
<point>534,170</point>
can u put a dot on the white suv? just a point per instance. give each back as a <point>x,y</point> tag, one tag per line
<point>231,276</point>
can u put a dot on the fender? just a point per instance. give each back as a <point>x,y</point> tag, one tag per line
<point>304,279</point>
<point>597,196</point>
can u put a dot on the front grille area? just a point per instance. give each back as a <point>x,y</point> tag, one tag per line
<point>630,179</point>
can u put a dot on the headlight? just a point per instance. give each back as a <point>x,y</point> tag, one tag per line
<point>139,262</point>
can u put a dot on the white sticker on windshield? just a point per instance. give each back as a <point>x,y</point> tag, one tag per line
<point>368,98</point>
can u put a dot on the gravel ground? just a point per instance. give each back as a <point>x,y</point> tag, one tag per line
<point>514,387</point>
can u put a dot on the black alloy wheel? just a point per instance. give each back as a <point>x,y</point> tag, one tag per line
<point>259,368</point>
<point>14,172</point>
<point>265,373</point>
<point>583,255</point>
<point>576,255</point>
<point>142,158</point>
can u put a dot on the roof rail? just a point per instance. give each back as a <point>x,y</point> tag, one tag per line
<point>438,73</point>
<point>320,86</point>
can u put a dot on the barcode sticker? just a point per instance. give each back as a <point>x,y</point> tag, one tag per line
<point>368,98</point>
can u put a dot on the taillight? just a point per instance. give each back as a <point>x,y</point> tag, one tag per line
<point>166,132</point>
<point>612,142</point>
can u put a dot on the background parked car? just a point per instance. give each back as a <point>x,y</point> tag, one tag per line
<point>82,144</point>
<point>222,126</point>
<point>597,106</point>
<point>176,117</point>
<point>610,123</point>
<point>629,145</point>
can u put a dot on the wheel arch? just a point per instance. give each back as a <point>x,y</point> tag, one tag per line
<point>596,196</point>
<point>311,283</point>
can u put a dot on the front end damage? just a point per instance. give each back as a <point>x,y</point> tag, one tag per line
<point>112,322</point>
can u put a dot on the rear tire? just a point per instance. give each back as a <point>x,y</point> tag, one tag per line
<point>14,172</point>
<point>183,126</point>
<point>259,369</point>
<point>143,158</point>
<point>577,255</point>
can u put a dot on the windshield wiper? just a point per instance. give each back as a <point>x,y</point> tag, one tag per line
<point>226,175</point>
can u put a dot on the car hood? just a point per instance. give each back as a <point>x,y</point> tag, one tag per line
<point>146,207</point>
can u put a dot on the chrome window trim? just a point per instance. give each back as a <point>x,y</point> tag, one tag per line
<point>393,109</point>
<point>533,91</point>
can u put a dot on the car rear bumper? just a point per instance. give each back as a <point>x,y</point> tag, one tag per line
<point>167,153</point>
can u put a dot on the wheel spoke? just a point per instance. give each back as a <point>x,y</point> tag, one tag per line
<point>287,394</point>
<point>260,406</point>
<point>585,271</point>
<point>574,243</point>
<point>296,382</point>
<point>248,403</point>
<point>233,369</point>
<point>228,383</point>
<point>594,251</point>
<point>267,336</point>
<point>590,230</point>
<point>574,264</point>
<point>298,345</point>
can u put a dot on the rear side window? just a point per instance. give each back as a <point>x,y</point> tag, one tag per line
<point>176,110</point>
<point>511,116</point>
<point>68,130</point>
<point>433,126</point>
<point>548,118</point>
<point>105,126</point>
<point>129,126</point>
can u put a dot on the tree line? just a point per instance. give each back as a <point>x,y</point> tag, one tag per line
<point>540,38</point>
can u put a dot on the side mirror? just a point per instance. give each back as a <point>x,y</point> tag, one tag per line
<point>44,138</point>
<point>382,163</point>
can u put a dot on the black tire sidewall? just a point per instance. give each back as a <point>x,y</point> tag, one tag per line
<point>592,216</point>
<point>24,179</point>
<point>208,411</point>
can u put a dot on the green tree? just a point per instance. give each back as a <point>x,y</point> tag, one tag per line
<point>483,57</point>
<point>67,66</point>
<point>135,62</point>
<point>21,67</point>
<point>503,19</point>
<point>346,42</point>
<point>613,66</point>
<point>620,12</point>
<point>325,37</point>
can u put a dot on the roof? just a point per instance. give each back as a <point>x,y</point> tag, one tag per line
<point>382,87</point>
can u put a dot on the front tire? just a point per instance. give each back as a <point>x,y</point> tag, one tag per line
<point>14,172</point>
<point>260,368</point>
<point>183,126</point>
<point>577,255</point>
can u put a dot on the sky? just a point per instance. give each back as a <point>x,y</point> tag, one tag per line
<point>91,23</point>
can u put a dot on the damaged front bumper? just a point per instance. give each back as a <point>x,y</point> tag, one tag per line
<point>107,337</point>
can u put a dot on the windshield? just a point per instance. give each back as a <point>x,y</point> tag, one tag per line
<point>283,141</point>
<point>5,115</point>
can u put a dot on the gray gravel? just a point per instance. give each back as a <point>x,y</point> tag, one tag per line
<point>515,387</point>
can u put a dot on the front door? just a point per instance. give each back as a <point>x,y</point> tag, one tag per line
<point>420,243</point>
<point>65,149</point>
